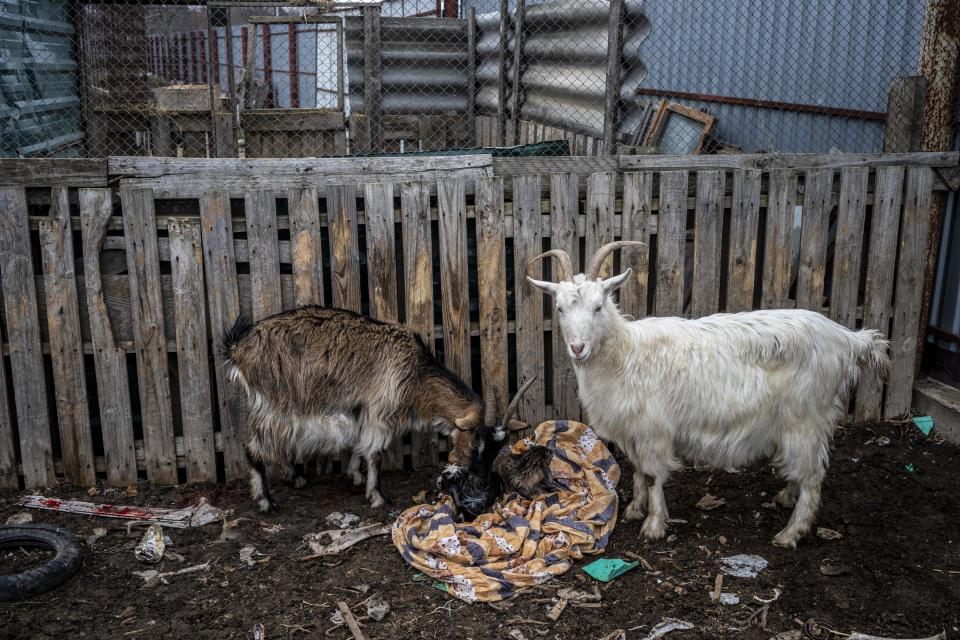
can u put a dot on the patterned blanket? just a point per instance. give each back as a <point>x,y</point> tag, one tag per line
<point>521,542</point>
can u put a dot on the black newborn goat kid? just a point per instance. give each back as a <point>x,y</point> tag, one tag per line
<point>494,470</point>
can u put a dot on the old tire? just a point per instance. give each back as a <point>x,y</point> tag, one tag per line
<point>47,576</point>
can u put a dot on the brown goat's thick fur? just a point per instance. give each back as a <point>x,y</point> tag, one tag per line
<point>322,380</point>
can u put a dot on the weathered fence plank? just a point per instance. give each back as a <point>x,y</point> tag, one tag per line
<point>564,211</point>
<point>878,293</point>
<point>66,346</point>
<point>344,253</point>
<point>601,200</point>
<point>848,245</point>
<point>110,360</point>
<point>778,247</point>
<point>744,218</point>
<point>382,274</point>
<point>671,243</point>
<point>193,365</point>
<point>223,298</point>
<point>23,335</point>
<point>418,290</point>
<point>492,277</point>
<point>261,214</point>
<point>637,207</point>
<point>305,247</point>
<point>914,226</point>
<point>143,266</point>
<point>527,243</point>
<point>454,279</point>
<point>815,226</point>
<point>707,238</point>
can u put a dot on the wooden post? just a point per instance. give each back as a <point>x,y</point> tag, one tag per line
<point>341,90</point>
<point>611,102</point>
<point>372,77</point>
<point>502,73</point>
<point>514,129</point>
<point>903,130</point>
<point>939,54</point>
<point>472,76</point>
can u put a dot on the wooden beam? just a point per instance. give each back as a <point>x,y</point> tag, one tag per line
<point>373,77</point>
<point>513,130</point>
<point>903,130</point>
<point>47,172</point>
<point>502,73</point>
<point>611,102</point>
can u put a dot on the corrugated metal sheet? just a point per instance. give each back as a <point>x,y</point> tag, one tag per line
<point>424,64</point>
<point>565,55</point>
<point>836,53</point>
<point>39,101</point>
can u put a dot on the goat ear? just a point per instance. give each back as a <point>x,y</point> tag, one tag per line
<point>517,425</point>
<point>544,285</point>
<point>615,282</point>
<point>467,422</point>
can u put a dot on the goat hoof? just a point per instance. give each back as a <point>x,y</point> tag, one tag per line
<point>377,501</point>
<point>267,505</point>
<point>653,529</point>
<point>358,479</point>
<point>785,541</point>
<point>785,499</point>
<point>633,513</point>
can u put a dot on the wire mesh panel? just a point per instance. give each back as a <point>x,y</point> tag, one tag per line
<point>243,78</point>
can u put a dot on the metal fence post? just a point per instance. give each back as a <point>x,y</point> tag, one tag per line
<point>472,75</point>
<point>502,72</point>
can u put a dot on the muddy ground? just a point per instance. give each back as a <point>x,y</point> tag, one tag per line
<point>899,560</point>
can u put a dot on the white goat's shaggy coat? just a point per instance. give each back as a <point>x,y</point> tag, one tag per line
<point>723,390</point>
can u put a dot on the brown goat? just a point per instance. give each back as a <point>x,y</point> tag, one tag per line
<point>321,380</point>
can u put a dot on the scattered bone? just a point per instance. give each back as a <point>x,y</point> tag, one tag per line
<point>710,502</point>
<point>20,518</point>
<point>196,516</point>
<point>334,541</point>
<point>557,609</point>
<point>516,634</point>
<point>342,520</point>
<point>828,534</point>
<point>665,627</point>
<point>717,588</point>
<point>152,576</point>
<point>350,621</point>
<point>377,607</point>
<point>271,528</point>
<point>729,599</point>
<point>94,537</point>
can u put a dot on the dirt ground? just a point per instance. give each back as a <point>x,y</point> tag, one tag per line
<point>897,508</point>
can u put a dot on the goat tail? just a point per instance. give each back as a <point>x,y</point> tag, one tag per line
<point>227,349</point>
<point>874,357</point>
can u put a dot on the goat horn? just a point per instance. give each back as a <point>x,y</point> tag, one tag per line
<point>563,258</point>
<point>490,409</point>
<point>593,267</point>
<point>516,400</point>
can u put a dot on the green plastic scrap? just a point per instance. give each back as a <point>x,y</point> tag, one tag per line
<point>909,468</point>
<point>442,586</point>
<point>924,423</point>
<point>606,569</point>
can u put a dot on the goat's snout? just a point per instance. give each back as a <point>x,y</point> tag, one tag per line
<point>579,350</point>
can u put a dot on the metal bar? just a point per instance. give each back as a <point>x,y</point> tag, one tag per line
<point>765,104</point>
<point>228,43</point>
<point>267,65</point>
<point>611,103</point>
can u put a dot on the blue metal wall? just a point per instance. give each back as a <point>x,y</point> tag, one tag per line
<point>39,100</point>
<point>831,53</point>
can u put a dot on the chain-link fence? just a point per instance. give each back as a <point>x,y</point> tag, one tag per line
<point>251,79</point>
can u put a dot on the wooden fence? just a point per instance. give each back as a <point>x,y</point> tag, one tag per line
<point>117,274</point>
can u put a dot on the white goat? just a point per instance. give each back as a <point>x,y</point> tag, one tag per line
<point>723,390</point>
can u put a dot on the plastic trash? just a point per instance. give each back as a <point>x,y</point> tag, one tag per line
<point>924,423</point>
<point>606,569</point>
<point>150,549</point>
